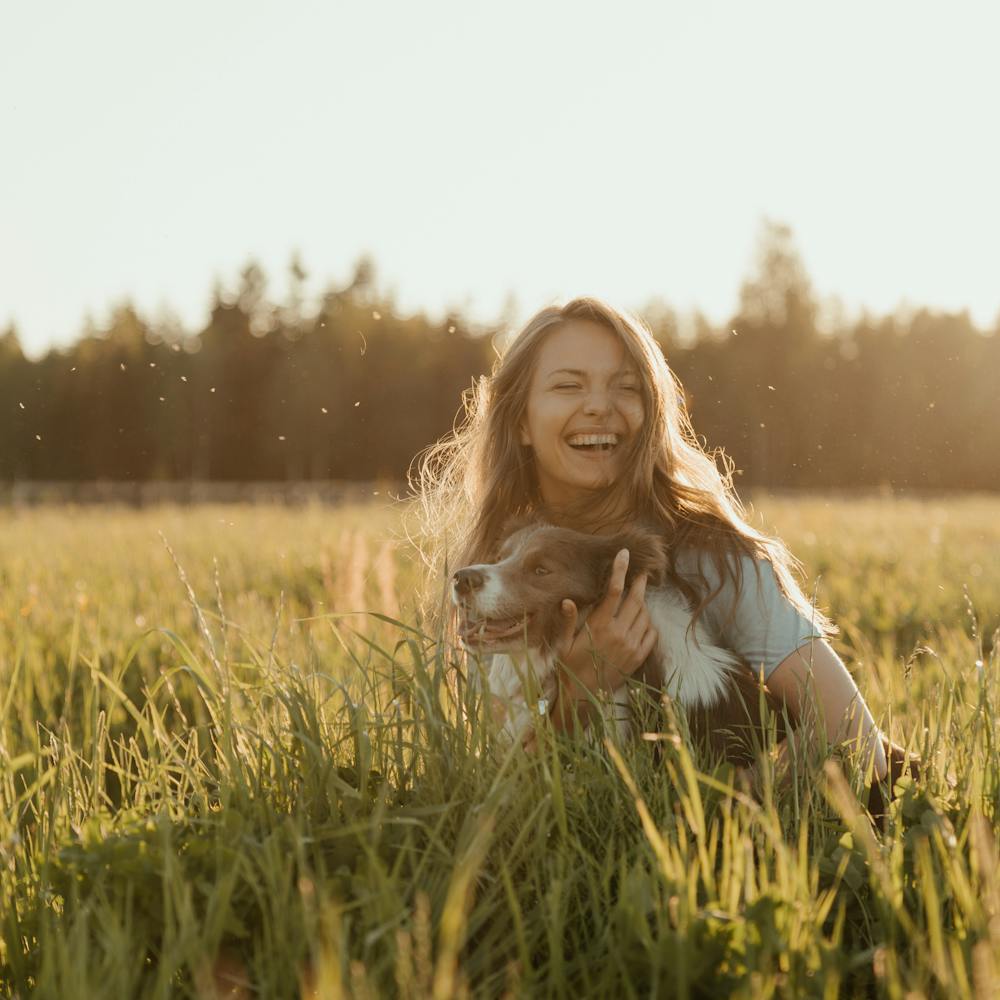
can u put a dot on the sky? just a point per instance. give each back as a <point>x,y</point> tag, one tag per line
<point>482,151</point>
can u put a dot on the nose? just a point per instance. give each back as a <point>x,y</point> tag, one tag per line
<point>467,580</point>
<point>597,402</point>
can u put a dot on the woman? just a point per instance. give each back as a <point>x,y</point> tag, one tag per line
<point>583,424</point>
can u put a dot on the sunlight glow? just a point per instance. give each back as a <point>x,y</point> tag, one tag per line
<point>479,153</point>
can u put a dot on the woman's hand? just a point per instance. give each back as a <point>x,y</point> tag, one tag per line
<point>614,643</point>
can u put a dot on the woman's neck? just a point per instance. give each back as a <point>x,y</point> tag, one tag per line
<point>606,518</point>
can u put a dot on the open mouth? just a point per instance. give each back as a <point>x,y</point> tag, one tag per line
<point>483,631</point>
<point>593,443</point>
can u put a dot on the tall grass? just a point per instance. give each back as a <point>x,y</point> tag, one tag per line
<point>219,778</point>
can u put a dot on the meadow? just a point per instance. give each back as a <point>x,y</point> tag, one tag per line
<point>235,762</point>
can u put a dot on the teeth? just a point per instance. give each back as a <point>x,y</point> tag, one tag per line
<point>578,439</point>
<point>487,627</point>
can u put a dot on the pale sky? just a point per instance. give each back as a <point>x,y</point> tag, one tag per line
<point>479,149</point>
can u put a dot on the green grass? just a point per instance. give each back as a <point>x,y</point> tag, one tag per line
<point>248,789</point>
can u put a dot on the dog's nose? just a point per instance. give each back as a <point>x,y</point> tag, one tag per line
<point>467,580</point>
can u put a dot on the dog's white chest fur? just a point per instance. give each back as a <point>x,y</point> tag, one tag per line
<point>695,672</point>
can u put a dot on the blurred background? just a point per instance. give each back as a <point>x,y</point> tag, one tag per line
<point>246,243</point>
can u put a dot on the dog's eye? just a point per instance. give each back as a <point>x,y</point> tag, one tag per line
<point>541,571</point>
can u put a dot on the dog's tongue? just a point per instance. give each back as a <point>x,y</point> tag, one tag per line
<point>491,628</point>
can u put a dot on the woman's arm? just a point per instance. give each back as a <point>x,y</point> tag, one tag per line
<point>816,671</point>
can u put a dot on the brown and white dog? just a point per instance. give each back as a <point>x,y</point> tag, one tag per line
<point>511,609</point>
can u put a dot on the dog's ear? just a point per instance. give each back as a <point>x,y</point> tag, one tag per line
<point>647,552</point>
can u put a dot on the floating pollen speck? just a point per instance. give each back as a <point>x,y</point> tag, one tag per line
<point>21,405</point>
<point>281,437</point>
<point>376,315</point>
<point>152,364</point>
<point>323,409</point>
<point>184,378</point>
<point>212,389</point>
<point>72,369</point>
<point>121,365</point>
<point>163,399</point>
<point>358,403</point>
<point>38,437</point>
<point>771,387</point>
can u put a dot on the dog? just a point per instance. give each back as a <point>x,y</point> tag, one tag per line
<point>511,609</point>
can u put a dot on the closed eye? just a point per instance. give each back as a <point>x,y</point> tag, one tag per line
<point>567,385</point>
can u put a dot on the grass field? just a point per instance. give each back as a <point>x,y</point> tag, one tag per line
<point>218,778</point>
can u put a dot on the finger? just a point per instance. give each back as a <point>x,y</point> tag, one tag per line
<point>634,605</point>
<point>568,632</point>
<point>646,636</point>
<point>636,631</point>
<point>611,602</point>
<point>648,643</point>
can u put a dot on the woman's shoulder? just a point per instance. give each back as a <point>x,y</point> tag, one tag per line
<point>738,585</point>
<point>747,609</point>
<point>694,562</point>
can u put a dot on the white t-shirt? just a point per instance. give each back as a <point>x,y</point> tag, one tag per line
<point>759,623</point>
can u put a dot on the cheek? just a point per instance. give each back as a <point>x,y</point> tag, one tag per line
<point>545,421</point>
<point>529,428</point>
<point>549,624</point>
<point>634,413</point>
<point>582,590</point>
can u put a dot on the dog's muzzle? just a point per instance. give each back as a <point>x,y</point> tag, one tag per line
<point>467,581</point>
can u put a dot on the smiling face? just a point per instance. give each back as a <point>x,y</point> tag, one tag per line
<point>584,407</point>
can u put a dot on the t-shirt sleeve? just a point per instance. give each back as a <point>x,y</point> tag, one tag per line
<point>758,622</point>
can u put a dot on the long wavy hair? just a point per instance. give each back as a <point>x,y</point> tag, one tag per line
<point>470,484</point>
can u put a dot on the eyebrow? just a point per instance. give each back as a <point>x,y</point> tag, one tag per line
<point>579,373</point>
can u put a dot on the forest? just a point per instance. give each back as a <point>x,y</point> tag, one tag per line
<point>342,386</point>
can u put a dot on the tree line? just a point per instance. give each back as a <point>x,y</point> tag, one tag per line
<point>352,389</point>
